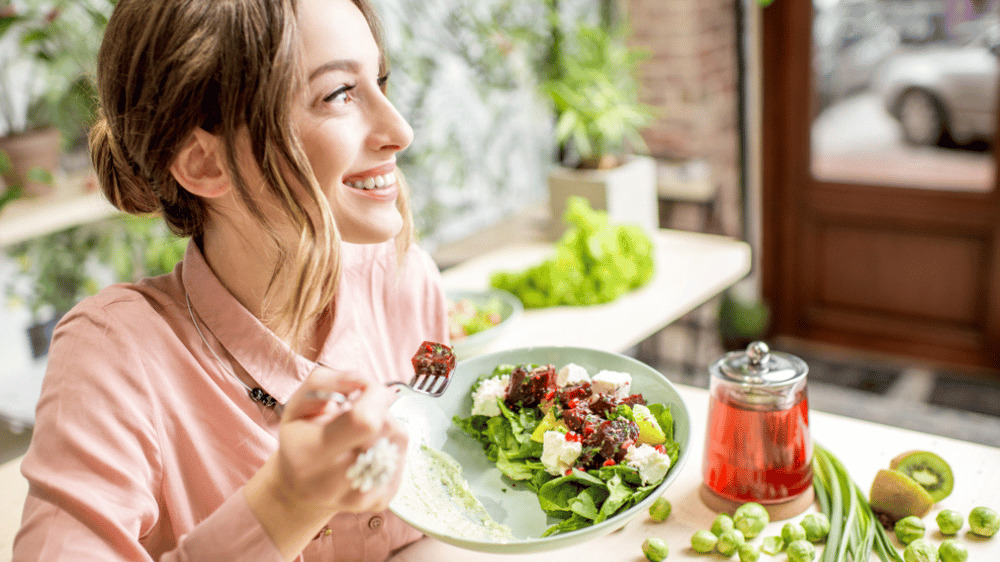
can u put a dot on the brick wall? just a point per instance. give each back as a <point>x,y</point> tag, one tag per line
<point>690,76</point>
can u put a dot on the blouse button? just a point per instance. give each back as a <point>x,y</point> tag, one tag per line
<point>375,523</point>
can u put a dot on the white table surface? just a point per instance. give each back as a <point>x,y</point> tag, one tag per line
<point>691,268</point>
<point>863,447</point>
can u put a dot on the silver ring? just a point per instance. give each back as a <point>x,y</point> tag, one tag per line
<point>374,467</point>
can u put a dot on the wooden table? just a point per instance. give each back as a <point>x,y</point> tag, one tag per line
<point>862,446</point>
<point>691,268</point>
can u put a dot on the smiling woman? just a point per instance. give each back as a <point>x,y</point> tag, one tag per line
<point>178,416</point>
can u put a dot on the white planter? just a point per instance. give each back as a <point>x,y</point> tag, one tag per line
<point>627,193</point>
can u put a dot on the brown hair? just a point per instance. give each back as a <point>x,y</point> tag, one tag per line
<point>166,67</point>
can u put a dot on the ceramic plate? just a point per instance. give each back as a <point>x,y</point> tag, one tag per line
<point>429,420</point>
<point>510,311</point>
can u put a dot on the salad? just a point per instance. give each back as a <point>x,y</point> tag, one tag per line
<point>467,317</point>
<point>586,445</point>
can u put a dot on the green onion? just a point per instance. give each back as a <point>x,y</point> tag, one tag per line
<point>855,531</point>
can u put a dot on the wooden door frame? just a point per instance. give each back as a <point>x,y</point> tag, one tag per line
<point>787,209</point>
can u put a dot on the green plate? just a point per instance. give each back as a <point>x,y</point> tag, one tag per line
<point>429,420</point>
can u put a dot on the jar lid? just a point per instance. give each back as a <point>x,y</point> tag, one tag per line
<point>758,365</point>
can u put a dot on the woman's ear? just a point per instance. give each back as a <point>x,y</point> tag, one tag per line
<point>200,166</point>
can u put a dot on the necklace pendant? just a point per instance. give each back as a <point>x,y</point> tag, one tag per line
<point>258,395</point>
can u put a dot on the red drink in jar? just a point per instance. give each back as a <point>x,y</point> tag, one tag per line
<point>757,443</point>
<point>753,455</point>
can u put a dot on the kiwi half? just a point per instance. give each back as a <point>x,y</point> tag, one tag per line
<point>928,469</point>
<point>895,495</point>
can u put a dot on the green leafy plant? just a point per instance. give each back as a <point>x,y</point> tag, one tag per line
<point>594,91</point>
<point>46,79</point>
<point>53,271</point>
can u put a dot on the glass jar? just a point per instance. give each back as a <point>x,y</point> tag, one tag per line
<point>757,443</point>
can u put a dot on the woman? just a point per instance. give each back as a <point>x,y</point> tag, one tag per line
<point>261,129</point>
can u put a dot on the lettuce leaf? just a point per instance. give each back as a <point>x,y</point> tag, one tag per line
<point>594,262</point>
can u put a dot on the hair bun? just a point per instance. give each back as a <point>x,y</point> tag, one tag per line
<point>118,174</point>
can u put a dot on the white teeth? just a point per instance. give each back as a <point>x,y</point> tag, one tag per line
<point>374,182</point>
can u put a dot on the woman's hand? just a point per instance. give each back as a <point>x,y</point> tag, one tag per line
<point>305,482</point>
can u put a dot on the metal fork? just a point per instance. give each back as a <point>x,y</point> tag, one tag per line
<point>431,385</point>
<point>422,383</point>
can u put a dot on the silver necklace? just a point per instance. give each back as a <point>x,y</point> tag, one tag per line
<point>257,394</point>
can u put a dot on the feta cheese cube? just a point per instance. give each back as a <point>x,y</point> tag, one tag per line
<point>612,382</point>
<point>651,464</point>
<point>571,374</point>
<point>484,399</point>
<point>558,454</point>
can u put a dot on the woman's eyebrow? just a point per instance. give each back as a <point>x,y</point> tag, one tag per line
<point>348,65</point>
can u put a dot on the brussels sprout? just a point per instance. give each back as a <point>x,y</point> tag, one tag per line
<point>723,522</point>
<point>772,545</point>
<point>984,521</point>
<point>950,521</point>
<point>800,551</point>
<point>655,549</point>
<point>953,551</point>
<point>792,532</point>
<point>748,552</point>
<point>909,529</point>
<point>703,541</point>
<point>920,550</point>
<point>729,541</point>
<point>660,510</point>
<point>816,526</point>
<point>751,518</point>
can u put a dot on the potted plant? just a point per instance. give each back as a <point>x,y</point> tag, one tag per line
<point>53,275</point>
<point>46,92</point>
<point>743,317</point>
<point>594,91</point>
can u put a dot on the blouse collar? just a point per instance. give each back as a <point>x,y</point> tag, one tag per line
<point>272,364</point>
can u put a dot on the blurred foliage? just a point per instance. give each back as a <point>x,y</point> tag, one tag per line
<point>48,65</point>
<point>54,271</point>
<point>594,89</point>
<point>57,270</point>
<point>140,246</point>
<point>742,320</point>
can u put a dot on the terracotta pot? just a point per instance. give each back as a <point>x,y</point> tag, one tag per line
<point>36,149</point>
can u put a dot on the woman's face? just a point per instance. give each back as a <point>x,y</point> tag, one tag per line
<point>350,131</point>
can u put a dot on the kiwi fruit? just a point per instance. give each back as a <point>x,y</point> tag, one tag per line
<point>928,469</point>
<point>895,495</point>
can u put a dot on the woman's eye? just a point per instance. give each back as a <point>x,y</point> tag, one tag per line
<point>339,96</point>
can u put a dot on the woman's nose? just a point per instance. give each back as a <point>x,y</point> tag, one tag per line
<point>390,131</point>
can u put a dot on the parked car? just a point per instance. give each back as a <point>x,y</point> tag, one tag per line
<point>849,49</point>
<point>945,90</point>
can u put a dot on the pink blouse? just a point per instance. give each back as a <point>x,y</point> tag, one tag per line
<point>143,440</point>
